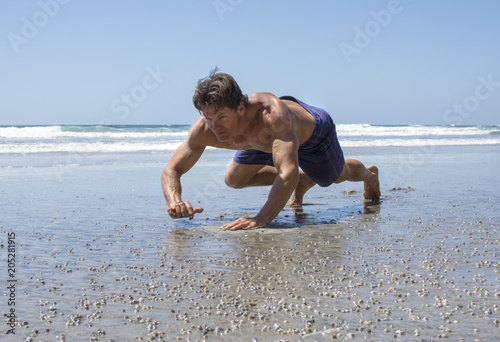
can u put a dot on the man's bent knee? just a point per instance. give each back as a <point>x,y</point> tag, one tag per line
<point>233,181</point>
<point>240,176</point>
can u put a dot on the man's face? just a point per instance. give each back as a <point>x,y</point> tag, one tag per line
<point>222,122</point>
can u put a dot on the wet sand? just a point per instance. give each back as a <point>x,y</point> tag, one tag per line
<point>98,259</point>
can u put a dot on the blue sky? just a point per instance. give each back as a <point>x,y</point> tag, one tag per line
<point>131,62</point>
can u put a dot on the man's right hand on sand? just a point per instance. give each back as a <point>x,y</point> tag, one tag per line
<point>182,210</point>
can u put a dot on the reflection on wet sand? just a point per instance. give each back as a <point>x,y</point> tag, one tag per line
<point>306,216</point>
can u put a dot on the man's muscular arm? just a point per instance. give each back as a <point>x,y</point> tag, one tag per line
<point>285,147</point>
<point>183,159</point>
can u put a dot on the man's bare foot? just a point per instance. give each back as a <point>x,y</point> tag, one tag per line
<point>372,185</point>
<point>305,183</point>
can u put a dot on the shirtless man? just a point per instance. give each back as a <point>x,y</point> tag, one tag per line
<point>273,137</point>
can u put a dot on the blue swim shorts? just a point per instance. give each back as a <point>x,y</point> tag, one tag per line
<point>320,157</point>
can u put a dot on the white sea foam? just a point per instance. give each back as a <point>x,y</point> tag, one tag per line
<point>409,131</point>
<point>95,139</point>
<point>418,142</point>
<point>49,132</point>
<point>172,146</point>
<point>87,148</point>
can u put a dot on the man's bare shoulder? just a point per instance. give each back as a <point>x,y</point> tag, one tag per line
<point>200,134</point>
<point>273,107</point>
<point>263,99</point>
<point>278,114</point>
<point>268,105</point>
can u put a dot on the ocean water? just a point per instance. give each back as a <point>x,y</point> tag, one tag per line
<point>23,140</point>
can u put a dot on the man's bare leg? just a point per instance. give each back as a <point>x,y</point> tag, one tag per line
<point>240,176</point>
<point>355,171</point>
<point>305,183</point>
